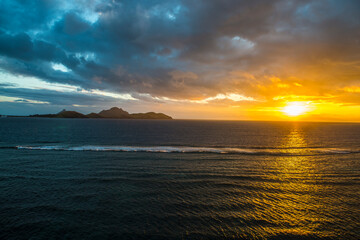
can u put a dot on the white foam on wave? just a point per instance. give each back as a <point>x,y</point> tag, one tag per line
<point>164,149</point>
<point>183,149</point>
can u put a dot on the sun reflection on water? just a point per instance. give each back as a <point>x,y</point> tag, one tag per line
<point>289,202</point>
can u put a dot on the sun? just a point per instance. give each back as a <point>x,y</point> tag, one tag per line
<point>294,109</point>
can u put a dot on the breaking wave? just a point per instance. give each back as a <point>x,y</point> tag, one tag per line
<point>184,149</point>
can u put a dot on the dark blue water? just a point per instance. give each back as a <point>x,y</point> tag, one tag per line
<point>149,179</point>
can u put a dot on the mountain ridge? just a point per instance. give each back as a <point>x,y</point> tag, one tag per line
<point>112,113</point>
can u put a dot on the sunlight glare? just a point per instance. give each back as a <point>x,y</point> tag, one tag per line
<point>294,109</point>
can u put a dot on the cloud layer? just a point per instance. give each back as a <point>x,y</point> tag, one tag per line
<point>185,50</point>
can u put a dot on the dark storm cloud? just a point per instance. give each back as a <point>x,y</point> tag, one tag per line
<point>177,49</point>
<point>7,85</point>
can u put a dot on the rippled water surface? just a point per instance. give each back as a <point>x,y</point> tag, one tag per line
<point>138,179</point>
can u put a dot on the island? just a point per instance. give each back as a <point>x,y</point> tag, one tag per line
<point>113,113</point>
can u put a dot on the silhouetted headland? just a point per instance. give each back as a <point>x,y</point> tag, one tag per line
<point>114,113</point>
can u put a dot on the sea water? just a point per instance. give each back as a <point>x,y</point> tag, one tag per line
<point>178,179</point>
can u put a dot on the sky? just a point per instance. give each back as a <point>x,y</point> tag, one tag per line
<point>203,59</point>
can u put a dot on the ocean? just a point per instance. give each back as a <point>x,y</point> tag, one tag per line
<point>178,179</point>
